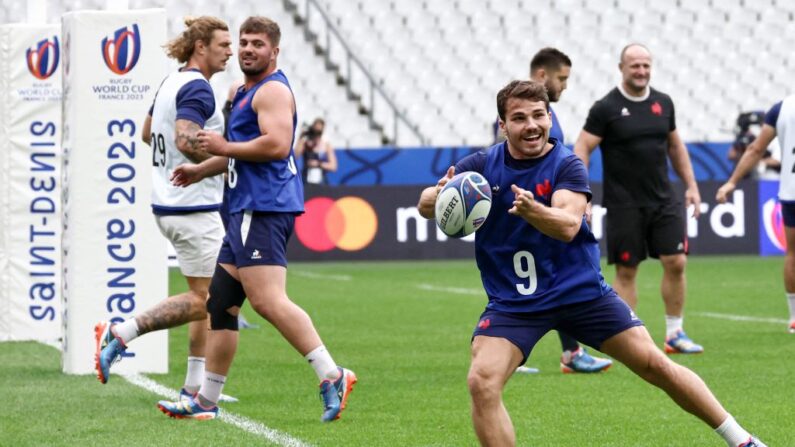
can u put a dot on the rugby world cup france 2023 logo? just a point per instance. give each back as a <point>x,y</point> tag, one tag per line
<point>773,224</point>
<point>43,58</point>
<point>121,51</point>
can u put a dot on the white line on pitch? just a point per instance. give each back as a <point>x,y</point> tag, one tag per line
<point>241,422</point>
<point>314,275</point>
<point>456,290</point>
<point>742,318</point>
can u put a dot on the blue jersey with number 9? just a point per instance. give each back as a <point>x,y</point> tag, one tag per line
<point>274,185</point>
<point>522,269</point>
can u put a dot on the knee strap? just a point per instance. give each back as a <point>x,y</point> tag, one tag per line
<point>225,292</point>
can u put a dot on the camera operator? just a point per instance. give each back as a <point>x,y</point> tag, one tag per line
<point>318,154</point>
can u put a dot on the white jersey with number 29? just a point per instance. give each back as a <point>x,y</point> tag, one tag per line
<point>202,196</point>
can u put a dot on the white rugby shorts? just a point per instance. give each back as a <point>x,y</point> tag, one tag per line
<point>197,238</point>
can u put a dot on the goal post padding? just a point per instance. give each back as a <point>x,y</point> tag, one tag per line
<point>114,255</point>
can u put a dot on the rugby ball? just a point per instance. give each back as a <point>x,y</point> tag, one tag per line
<point>463,204</point>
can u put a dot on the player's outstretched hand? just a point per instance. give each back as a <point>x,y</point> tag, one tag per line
<point>723,192</point>
<point>212,142</point>
<point>185,175</point>
<point>428,196</point>
<point>523,202</point>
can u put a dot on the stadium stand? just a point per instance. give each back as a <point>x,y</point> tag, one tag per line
<point>430,68</point>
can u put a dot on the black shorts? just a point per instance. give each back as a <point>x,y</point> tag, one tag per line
<point>636,233</point>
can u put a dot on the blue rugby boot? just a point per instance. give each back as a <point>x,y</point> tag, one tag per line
<point>185,395</point>
<point>680,343</point>
<point>108,349</point>
<point>752,442</point>
<point>580,361</point>
<point>335,394</point>
<point>187,409</point>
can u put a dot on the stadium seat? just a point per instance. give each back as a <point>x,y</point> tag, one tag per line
<point>460,52</point>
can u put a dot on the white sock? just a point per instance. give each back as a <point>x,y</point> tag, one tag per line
<point>212,385</point>
<point>791,301</point>
<point>673,325</point>
<point>195,374</point>
<point>732,433</point>
<point>322,363</point>
<point>567,355</point>
<point>127,330</point>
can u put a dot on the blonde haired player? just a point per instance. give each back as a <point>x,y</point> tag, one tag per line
<point>188,217</point>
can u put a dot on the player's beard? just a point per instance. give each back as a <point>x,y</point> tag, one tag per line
<point>253,72</point>
<point>553,94</point>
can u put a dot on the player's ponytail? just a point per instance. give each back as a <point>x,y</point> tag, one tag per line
<point>196,29</point>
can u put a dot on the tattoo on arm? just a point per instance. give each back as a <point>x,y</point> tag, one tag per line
<point>188,143</point>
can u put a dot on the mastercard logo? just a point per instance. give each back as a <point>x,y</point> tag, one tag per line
<point>348,223</point>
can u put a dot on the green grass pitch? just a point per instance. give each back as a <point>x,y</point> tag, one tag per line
<point>408,341</point>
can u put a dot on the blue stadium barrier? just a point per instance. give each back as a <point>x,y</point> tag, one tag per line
<point>424,165</point>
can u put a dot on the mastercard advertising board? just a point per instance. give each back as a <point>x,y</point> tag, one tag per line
<point>381,222</point>
<point>369,223</point>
